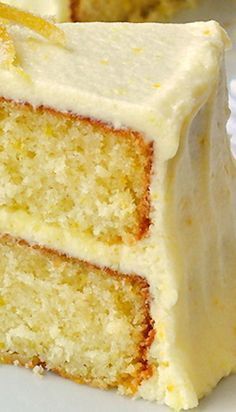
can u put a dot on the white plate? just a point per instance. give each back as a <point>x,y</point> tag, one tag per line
<point>22,391</point>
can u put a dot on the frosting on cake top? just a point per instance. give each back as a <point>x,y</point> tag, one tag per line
<point>147,77</point>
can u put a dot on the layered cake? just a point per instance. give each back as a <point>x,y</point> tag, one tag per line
<point>117,205</point>
<point>102,10</point>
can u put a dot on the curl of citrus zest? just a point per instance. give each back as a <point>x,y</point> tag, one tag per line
<point>8,57</point>
<point>41,26</point>
<point>16,66</point>
<point>7,52</point>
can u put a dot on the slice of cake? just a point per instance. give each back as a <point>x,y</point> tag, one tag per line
<point>101,10</point>
<point>117,205</point>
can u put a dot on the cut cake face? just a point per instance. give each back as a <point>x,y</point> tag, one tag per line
<point>116,175</point>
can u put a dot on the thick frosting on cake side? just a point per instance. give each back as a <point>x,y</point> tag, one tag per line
<point>149,80</point>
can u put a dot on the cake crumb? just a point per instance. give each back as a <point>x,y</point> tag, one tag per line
<point>39,371</point>
<point>16,363</point>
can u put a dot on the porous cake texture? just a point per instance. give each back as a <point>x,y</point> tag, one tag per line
<point>64,313</point>
<point>68,181</point>
<point>117,206</point>
<point>103,10</point>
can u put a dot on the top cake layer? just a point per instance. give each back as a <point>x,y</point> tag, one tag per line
<point>142,77</point>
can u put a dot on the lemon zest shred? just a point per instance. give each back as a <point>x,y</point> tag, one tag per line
<point>41,26</point>
<point>8,53</point>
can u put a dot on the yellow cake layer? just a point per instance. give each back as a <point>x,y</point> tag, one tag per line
<point>73,173</point>
<point>90,324</point>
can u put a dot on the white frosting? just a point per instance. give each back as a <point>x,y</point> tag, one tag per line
<point>111,72</point>
<point>137,76</point>
<point>56,9</point>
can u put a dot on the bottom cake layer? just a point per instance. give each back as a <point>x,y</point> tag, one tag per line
<point>81,321</point>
